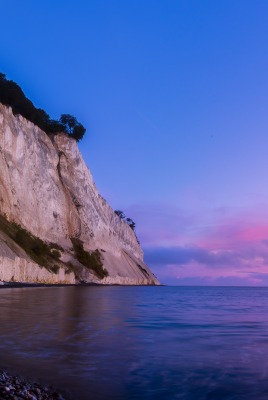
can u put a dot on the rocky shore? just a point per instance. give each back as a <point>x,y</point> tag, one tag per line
<point>14,387</point>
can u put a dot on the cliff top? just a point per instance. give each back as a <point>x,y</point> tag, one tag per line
<point>12,95</point>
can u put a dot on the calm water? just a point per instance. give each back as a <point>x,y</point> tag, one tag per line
<point>139,342</point>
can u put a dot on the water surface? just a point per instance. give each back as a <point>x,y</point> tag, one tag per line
<point>189,343</point>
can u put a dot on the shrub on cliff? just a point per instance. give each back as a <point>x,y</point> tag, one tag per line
<point>72,127</point>
<point>92,261</point>
<point>39,251</point>
<point>12,95</point>
<point>129,221</point>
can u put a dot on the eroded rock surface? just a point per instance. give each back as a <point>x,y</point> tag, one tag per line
<point>46,188</point>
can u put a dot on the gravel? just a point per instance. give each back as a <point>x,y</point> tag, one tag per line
<point>16,388</point>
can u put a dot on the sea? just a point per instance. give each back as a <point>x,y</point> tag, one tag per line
<point>93,342</point>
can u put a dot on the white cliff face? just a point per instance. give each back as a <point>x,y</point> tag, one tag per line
<point>21,270</point>
<point>46,187</point>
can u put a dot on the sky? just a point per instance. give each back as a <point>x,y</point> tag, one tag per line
<point>174,96</point>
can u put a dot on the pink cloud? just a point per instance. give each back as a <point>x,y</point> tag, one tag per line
<point>220,245</point>
<point>234,233</point>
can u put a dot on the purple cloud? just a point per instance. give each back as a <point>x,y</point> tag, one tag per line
<point>219,246</point>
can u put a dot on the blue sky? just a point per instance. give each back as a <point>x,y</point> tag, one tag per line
<point>174,95</point>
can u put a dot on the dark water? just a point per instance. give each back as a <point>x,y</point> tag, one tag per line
<point>139,342</point>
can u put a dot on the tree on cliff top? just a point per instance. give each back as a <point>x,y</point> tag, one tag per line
<point>129,221</point>
<point>120,214</point>
<point>72,127</point>
<point>12,95</point>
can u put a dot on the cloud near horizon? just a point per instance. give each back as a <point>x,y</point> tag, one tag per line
<point>189,265</point>
<point>223,246</point>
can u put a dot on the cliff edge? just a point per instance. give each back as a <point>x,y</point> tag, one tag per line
<point>54,225</point>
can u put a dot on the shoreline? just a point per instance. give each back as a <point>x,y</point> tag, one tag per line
<point>18,388</point>
<point>17,285</point>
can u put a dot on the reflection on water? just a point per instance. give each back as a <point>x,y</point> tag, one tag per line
<point>139,342</point>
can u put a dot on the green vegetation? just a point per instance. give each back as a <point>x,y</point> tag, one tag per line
<point>55,269</point>
<point>92,261</point>
<point>12,95</point>
<point>39,251</point>
<point>72,268</point>
<point>72,127</point>
<point>129,221</point>
<point>48,254</point>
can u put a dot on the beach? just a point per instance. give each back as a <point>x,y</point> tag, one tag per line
<point>14,387</point>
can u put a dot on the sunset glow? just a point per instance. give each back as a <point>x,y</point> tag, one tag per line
<point>174,98</point>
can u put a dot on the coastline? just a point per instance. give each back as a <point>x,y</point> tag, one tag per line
<point>16,285</point>
<point>15,387</point>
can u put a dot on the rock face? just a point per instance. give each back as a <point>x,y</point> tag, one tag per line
<point>46,188</point>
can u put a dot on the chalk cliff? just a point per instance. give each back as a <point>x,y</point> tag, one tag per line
<point>48,197</point>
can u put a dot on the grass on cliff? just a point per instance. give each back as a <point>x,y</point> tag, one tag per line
<point>39,251</point>
<point>92,261</point>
